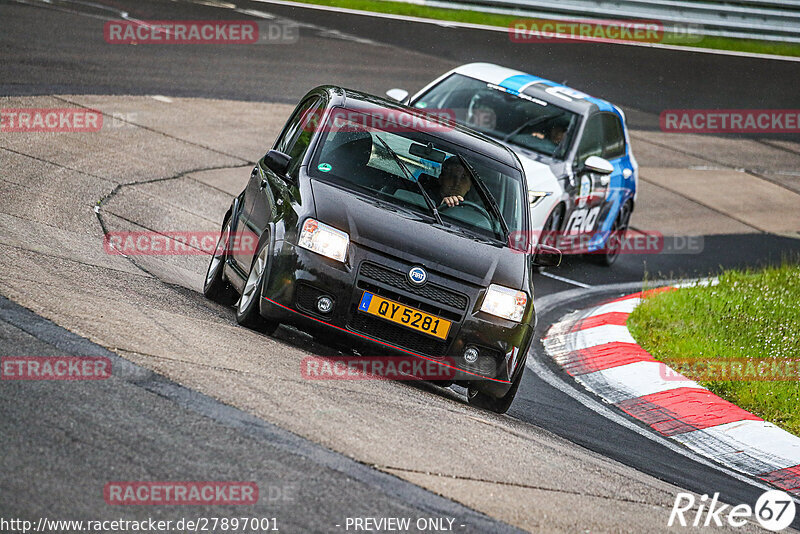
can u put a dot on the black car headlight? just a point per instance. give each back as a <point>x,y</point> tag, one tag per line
<point>323,239</point>
<point>505,302</point>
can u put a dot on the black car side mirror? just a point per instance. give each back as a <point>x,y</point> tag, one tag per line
<point>545,256</point>
<point>278,162</point>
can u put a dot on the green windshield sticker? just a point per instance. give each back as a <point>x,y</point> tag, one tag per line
<point>324,167</point>
<point>421,105</point>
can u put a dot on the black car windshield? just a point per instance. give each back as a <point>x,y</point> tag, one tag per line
<point>403,165</point>
<point>521,120</point>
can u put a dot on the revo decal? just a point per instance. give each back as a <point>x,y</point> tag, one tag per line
<point>582,220</point>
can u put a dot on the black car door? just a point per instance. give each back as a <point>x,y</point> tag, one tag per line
<point>267,193</point>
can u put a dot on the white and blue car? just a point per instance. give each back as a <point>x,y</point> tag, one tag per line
<point>574,148</point>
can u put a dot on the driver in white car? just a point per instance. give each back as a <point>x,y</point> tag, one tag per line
<point>554,136</point>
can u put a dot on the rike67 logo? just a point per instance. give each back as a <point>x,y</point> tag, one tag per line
<point>774,510</point>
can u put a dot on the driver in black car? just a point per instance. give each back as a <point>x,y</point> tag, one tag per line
<point>454,183</point>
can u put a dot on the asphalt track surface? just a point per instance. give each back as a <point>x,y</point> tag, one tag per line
<point>66,57</point>
<point>78,441</point>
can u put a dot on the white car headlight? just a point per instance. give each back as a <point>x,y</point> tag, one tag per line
<point>505,302</point>
<point>323,239</point>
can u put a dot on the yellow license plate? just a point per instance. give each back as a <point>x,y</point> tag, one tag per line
<point>403,315</point>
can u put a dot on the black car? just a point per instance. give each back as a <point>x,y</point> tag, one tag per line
<point>350,209</point>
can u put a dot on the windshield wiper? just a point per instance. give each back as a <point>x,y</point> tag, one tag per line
<point>487,195</point>
<point>405,170</point>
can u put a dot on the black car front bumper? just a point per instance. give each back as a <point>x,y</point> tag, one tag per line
<point>298,278</point>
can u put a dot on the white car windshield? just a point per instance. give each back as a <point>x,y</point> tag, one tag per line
<point>521,120</point>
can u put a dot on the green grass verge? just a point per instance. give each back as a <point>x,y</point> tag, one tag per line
<point>753,315</point>
<point>504,21</point>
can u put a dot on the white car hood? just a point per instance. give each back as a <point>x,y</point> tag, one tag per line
<point>539,175</point>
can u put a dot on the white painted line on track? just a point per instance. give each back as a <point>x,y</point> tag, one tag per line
<point>589,337</point>
<point>605,411</point>
<point>484,27</point>
<point>746,445</point>
<point>693,452</point>
<point>255,13</point>
<point>565,280</point>
<point>633,380</point>
<point>751,447</point>
<point>620,306</point>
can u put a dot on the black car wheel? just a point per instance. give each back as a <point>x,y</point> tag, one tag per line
<point>495,404</point>
<point>216,287</point>
<point>248,312</point>
<point>610,252</point>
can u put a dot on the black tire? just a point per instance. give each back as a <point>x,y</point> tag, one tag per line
<point>495,404</point>
<point>610,252</point>
<point>248,307</point>
<point>215,286</point>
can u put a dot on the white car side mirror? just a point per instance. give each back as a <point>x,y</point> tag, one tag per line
<point>397,94</point>
<point>598,165</point>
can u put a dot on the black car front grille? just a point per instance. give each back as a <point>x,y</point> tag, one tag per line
<point>398,280</point>
<point>397,335</point>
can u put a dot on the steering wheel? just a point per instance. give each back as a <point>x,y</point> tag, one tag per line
<point>469,204</point>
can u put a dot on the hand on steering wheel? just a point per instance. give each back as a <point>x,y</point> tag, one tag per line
<point>453,200</point>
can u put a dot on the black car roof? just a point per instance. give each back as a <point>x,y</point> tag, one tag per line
<point>454,133</point>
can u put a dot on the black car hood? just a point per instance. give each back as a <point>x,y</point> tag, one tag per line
<point>417,241</point>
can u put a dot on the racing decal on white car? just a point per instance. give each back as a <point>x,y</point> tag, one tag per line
<point>582,220</point>
<point>584,191</point>
<point>566,93</point>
